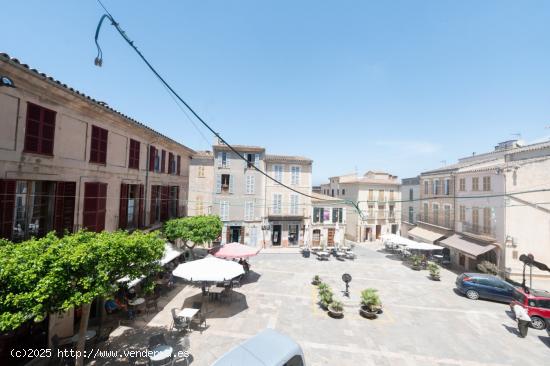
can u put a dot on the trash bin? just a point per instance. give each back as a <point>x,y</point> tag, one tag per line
<point>523,327</point>
<point>305,253</point>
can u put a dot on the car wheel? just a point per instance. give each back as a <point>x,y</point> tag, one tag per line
<point>538,323</point>
<point>472,294</point>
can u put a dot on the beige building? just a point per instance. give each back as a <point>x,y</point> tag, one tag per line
<point>378,197</point>
<point>328,221</point>
<point>255,210</point>
<point>68,162</point>
<point>410,204</point>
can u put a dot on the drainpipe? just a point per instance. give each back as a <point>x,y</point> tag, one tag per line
<point>146,189</point>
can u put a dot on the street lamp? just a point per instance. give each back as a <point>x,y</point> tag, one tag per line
<point>6,81</point>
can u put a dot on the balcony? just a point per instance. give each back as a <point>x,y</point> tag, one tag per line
<point>479,232</point>
<point>434,220</point>
<point>286,213</point>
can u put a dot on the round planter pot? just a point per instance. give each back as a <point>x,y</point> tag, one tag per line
<point>415,268</point>
<point>315,283</point>
<point>435,278</point>
<point>366,313</point>
<point>335,314</point>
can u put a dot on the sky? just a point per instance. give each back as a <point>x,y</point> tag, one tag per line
<point>399,86</point>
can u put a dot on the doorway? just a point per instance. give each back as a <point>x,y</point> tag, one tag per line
<point>394,228</point>
<point>235,234</point>
<point>367,233</point>
<point>276,236</point>
<point>293,234</point>
<point>316,237</point>
<point>330,237</point>
<point>378,231</point>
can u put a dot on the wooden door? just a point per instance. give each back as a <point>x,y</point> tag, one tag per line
<point>330,237</point>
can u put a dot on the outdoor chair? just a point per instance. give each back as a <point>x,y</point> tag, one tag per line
<point>157,340</point>
<point>197,305</point>
<point>200,321</point>
<point>235,283</point>
<point>150,305</point>
<point>178,323</point>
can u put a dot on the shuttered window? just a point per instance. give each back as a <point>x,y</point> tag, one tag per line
<point>250,184</point>
<point>163,162</point>
<point>65,198</point>
<point>152,158</point>
<point>164,203</point>
<point>178,165</point>
<point>133,160</point>
<point>171,164</point>
<point>98,146</point>
<point>95,203</point>
<point>7,205</point>
<point>40,130</point>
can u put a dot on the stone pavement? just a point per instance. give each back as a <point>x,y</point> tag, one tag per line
<point>424,322</point>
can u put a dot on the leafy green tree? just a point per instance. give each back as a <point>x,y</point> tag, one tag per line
<point>193,231</point>
<point>51,274</point>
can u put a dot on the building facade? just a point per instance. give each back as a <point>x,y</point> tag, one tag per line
<point>68,162</point>
<point>328,222</point>
<point>377,196</point>
<point>255,210</point>
<point>410,203</point>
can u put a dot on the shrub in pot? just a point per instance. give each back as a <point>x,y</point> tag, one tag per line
<point>316,280</point>
<point>488,267</point>
<point>325,295</point>
<point>371,305</point>
<point>336,309</point>
<point>416,261</point>
<point>434,271</point>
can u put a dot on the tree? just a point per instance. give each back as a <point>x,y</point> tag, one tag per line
<point>51,274</point>
<point>194,230</point>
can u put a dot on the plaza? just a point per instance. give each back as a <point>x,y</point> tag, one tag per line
<point>424,322</point>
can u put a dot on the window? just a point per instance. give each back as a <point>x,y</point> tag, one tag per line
<point>277,203</point>
<point>391,195</point>
<point>155,214</point>
<point>447,187</point>
<point>133,157</point>
<point>370,213</point>
<point>381,195</point>
<point>332,192</point>
<point>154,159</point>
<point>475,220</point>
<point>199,206</point>
<point>411,215</point>
<point>462,214</point>
<point>475,184</point>
<point>318,213</point>
<point>294,204</point>
<point>252,160</point>
<point>250,183</point>
<point>34,209</point>
<point>178,165</point>
<point>163,162</point>
<point>174,201</point>
<point>40,130</point>
<point>392,213</point>
<point>224,210</point>
<point>201,171</point>
<point>295,361</point>
<point>487,220</point>
<point>436,186</point>
<point>435,214</point>
<point>426,187</point>
<point>171,164</point>
<point>337,214</point>
<point>131,206</point>
<point>462,184</point>
<point>338,191</point>
<point>98,147</point>
<point>486,184</point>
<point>447,216</point>
<point>371,195</point>
<point>295,175</point>
<point>249,210</point>
<point>343,192</point>
<point>278,172</point>
<point>426,212</point>
<point>95,199</point>
<point>223,161</point>
<point>381,214</point>
<point>411,194</point>
<point>225,182</point>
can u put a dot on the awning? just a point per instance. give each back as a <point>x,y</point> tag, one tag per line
<point>425,234</point>
<point>467,247</point>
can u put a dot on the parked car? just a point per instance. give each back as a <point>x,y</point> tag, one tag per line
<point>537,304</point>
<point>479,285</point>
<point>267,348</point>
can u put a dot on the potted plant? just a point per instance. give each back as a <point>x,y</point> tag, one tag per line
<point>325,295</point>
<point>416,262</point>
<point>306,252</point>
<point>371,305</point>
<point>336,309</point>
<point>316,280</point>
<point>434,271</point>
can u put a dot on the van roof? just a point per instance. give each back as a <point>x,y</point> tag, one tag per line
<point>267,348</point>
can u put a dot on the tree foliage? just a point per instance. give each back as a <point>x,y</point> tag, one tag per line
<point>194,230</point>
<point>51,274</point>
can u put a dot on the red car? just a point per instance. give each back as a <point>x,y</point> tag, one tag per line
<point>537,303</point>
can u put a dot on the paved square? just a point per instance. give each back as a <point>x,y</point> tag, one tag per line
<point>424,322</point>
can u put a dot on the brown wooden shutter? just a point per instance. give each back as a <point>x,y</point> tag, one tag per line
<point>170,163</point>
<point>94,145</point>
<point>7,205</point>
<point>123,209</point>
<point>95,202</point>
<point>141,218</point>
<point>162,161</point>
<point>177,201</point>
<point>65,198</point>
<point>178,165</point>
<point>152,213</point>
<point>152,153</point>
<point>164,202</point>
<point>133,159</point>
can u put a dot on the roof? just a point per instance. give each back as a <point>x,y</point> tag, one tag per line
<point>425,234</point>
<point>203,154</point>
<point>483,166</point>
<point>4,57</point>
<point>285,158</point>
<point>467,247</point>
<point>491,154</point>
<point>242,148</point>
<point>323,197</point>
<point>267,348</point>
<point>410,181</point>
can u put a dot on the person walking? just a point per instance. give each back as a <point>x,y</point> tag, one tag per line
<point>523,319</point>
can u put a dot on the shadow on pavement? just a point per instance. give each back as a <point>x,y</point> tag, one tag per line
<point>510,329</point>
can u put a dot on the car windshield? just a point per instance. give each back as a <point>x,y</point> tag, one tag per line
<point>519,297</point>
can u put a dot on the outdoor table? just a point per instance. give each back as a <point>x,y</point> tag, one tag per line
<point>187,313</point>
<point>216,291</point>
<point>135,302</point>
<point>161,352</point>
<point>322,255</point>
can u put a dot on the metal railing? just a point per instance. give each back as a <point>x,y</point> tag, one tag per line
<point>477,229</point>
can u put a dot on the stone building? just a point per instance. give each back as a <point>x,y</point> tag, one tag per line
<point>410,203</point>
